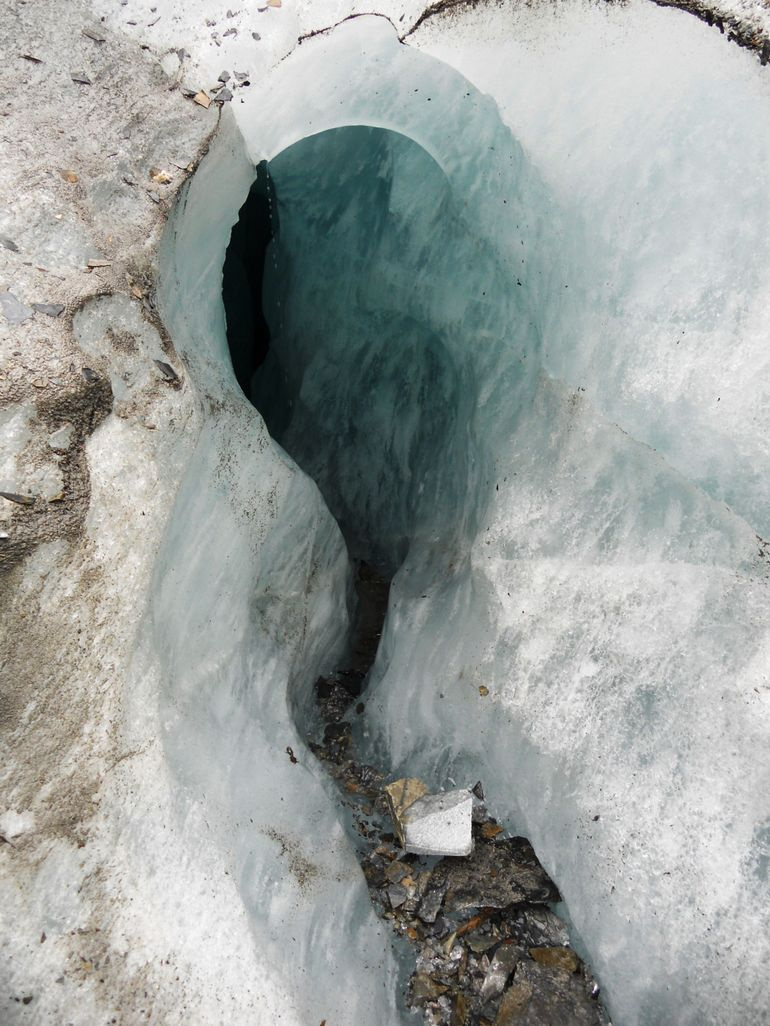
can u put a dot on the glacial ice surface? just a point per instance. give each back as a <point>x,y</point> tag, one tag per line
<point>551,489</point>
<point>577,617</point>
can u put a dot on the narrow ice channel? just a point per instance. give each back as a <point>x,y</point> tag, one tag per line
<point>569,601</point>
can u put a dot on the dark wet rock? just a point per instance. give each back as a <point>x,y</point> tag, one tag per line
<point>500,968</point>
<point>538,927</point>
<point>337,732</point>
<point>441,928</point>
<point>333,699</point>
<point>497,874</point>
<point>167,371</point>
<point>556,998</point>
<point>337,740</point>
<point>18,499</point>
<point>479,813</point>
<point>368,777</point>
<point>432,900</point>
<point>351,680</point>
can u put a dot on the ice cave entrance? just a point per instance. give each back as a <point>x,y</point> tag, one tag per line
<point>348,254</point>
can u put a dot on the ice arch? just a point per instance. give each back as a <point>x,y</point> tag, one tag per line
<point>601,598</point>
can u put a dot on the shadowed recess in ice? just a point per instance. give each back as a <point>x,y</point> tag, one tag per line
<point>372,378</point>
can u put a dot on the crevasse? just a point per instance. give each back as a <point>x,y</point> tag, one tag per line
<point>439,308</point>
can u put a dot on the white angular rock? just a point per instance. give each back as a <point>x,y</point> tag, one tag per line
<point>439,824</point>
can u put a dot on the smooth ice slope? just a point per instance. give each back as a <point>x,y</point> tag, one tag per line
<point>615,611</point>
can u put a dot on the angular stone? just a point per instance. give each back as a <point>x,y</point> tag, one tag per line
<point>18,498</point>
<point>401,794</point>
<point>479,943</point>
<point>424,989</point>
<point>490,830</point>
<point>514,1004</point>
<point>168,372</point>
<point>396,871</point>
<point>432,900</point>
<point>13,309</point>
<point>439,824</point>
<point>397,895</point>
<point>502,965</point>
<point>556,958</point>
<point>480,814</point>
<point>538,928</point>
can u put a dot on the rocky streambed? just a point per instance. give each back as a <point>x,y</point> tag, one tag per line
<point>488,948</point>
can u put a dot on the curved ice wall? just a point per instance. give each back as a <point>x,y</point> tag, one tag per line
<point>250,604</point>
<point>582,623</point>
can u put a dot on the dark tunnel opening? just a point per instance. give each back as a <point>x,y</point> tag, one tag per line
<point>345,331</point>
<point>248,333</point>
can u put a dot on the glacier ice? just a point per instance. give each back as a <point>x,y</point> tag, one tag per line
<point>474,337</point>
<point>576,617</point>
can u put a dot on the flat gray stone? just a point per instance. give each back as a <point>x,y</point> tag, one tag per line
<point>49,309</point>
<point>13,309</point>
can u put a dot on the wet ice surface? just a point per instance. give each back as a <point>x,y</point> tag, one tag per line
<point>578,614</point>
<point>483,944</point>
<point>602,598</point>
